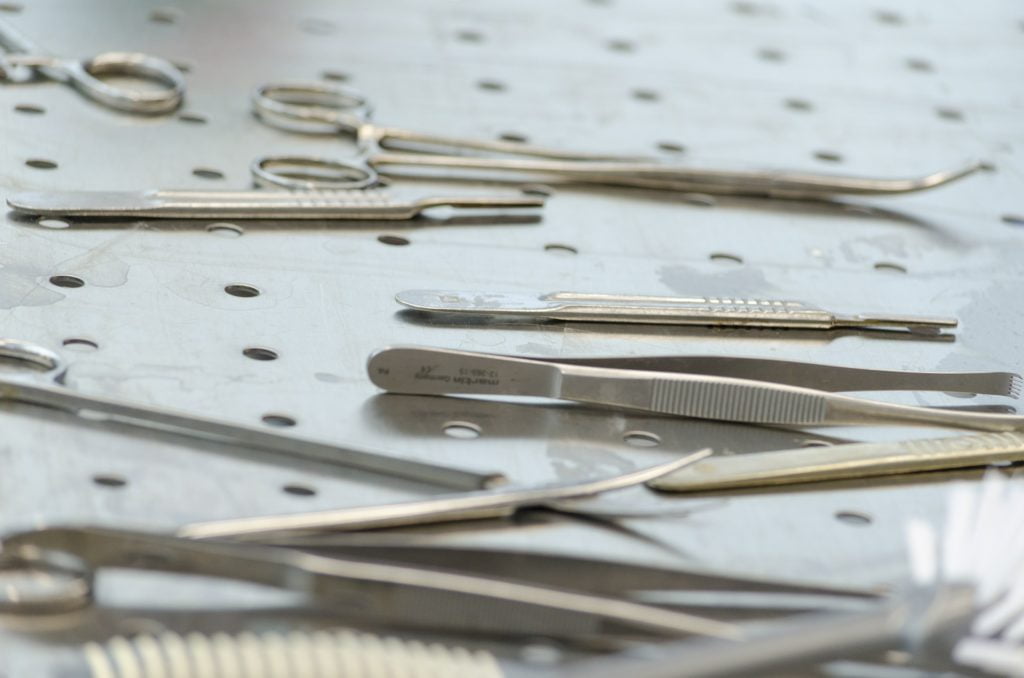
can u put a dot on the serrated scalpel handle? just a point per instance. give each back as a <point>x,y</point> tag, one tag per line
<point>857,460</point>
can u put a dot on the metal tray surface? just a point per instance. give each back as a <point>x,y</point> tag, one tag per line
<point>853,88</point>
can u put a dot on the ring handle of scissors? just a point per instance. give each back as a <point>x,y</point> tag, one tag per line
<point>29,356</point>
<point>311,108</point>
<point>301,173</point>
<point>75,577</point>
<point>82,76</point>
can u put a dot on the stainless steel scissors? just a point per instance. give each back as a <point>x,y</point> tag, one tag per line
<point>38,378</point>
<point>453,507</point>
<point>318,108</point>
<point>370,590</point>
<point>25,60</point>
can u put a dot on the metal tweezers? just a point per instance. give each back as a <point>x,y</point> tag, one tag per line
<point>257,204</point>
<point>773,392</point>
<point>657,310</point>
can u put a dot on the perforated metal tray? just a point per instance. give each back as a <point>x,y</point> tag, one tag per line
<point>850,88</point>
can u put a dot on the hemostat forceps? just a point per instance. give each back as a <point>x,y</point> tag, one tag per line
<point>682,386</point>
<point>657,310</point>
<point>39,380</point>
<point>176,204</point>
<point>321,108</point>
<point>469,505</point>
<point>373,592</point>
<point>25,60</point>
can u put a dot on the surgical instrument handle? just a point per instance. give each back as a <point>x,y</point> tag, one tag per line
<point>212,429</point>
<point>81,74</point>
<point>257,204</point>
<point>857,460</point>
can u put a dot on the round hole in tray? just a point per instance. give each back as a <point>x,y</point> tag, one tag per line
<point>225,229</point>
<point>889,17</point>
<point>242,290</point>
<point>469,35</point>
<point>698,199</point>
<point>856,518</point>
<point>109,480</point>
<point>772,54</point>
<point>644,94</point>
<point>80,344</point>
<point>335,76</point>
<point>919,65</point>
<point>396,240</point>
<point>278,420</point>
<point>69,281</point>
<point>297,490</point>
<point>53,222</point>
<point>491,85</point>
<point>462,430</point>
<point>828,156</point>
<point>671,147</point>
<point>165,15</point>
<point>725,258</point>
<point>642,438</point>
<point>193,118</point>
<point>260,353</point>
<point>40,163</point>
<point>207,173</point>
<point>30,109</point>
<point>890,267</point>
<point>560,248</point>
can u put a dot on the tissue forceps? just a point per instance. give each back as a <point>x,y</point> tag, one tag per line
<point>39,377</point>
<point>318,108</point>
<point>25,60</point>
<point>658,310</point>
<point>651,384</point>
<point>466,506</point>
<point>372,591</point>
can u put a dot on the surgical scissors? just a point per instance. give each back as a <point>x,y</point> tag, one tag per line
<point>369,590</point>
<point>39,379</point>
<point>465,506</point>
<point>317,108</point>
<point>25,60</point>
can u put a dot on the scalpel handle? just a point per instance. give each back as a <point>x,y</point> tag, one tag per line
<point>858,460</point>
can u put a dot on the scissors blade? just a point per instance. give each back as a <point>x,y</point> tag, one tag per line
<point>348,205</point>
<point>468,505</point>
<point>596,575</point>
